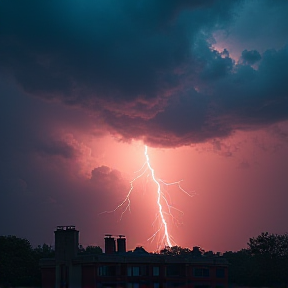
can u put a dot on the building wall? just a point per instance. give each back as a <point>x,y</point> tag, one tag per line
<point>117,274</point>
<point>153,275</point>
<point>75,276</point>
<point>89,276</point>
<point>48,277</point>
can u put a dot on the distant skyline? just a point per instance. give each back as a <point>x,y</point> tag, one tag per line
<point>85,85</point>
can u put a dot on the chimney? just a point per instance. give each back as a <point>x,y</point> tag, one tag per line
<point>121,244</point>
<point>66,243</point>
<point>110,246</point>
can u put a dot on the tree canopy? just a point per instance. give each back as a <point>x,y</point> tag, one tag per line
<point>180,251</point>
<point>18,264</point>
<point>90,250</point>
<point>263,263</point>
<point>273,245</point>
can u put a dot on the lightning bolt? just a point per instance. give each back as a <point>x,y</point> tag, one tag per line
<point>126,203</point>
<point>167,236</point>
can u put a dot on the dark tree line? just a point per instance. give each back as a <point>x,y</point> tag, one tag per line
<point>90,250</point>
<point>180,251</point>
<point>19,261</point>
<point>263,263</point>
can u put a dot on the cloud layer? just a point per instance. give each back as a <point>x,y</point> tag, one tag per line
<point>146,69</point>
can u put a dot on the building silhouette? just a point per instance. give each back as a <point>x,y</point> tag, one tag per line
<point>118,268</point>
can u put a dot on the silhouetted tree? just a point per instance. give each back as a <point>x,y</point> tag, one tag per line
<point>18,265</point>
<point>140,250</point>
<point>197,251</point>
<point>44,251</point>
<point>266,243</point>
<point>243,268</point>
<point>19,262</point>
<point>263,263</point>
<point>178,251</point>
<point>209,253</point>
<point>175,251</point>
<point>90,250</point>
<point>271,254</point>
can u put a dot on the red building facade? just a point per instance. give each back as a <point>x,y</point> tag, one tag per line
<point>118,268</point>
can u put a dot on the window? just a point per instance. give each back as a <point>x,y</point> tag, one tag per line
<point>156,271</point>
<point>107,270</point>
<point>201,272</point>
<point>133,271</point>
<point>220,272</point>
<point>137,270</point>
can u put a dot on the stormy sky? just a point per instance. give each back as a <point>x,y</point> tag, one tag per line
<point>85,85</point>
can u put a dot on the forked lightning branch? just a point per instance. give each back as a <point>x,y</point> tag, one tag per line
<point>164,208</point>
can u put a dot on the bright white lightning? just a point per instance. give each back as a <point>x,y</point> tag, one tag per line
<point>158,199</point>
<point>160,195</point>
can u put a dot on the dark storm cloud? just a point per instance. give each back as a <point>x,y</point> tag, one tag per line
<point>111,49</point>
<point>240,99</point>
<point>108,180</point>
<point>104,173</point>
<point>250,57</point>
<point>263,24</point>
<point>57,148</point>
<point>147,69</point>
